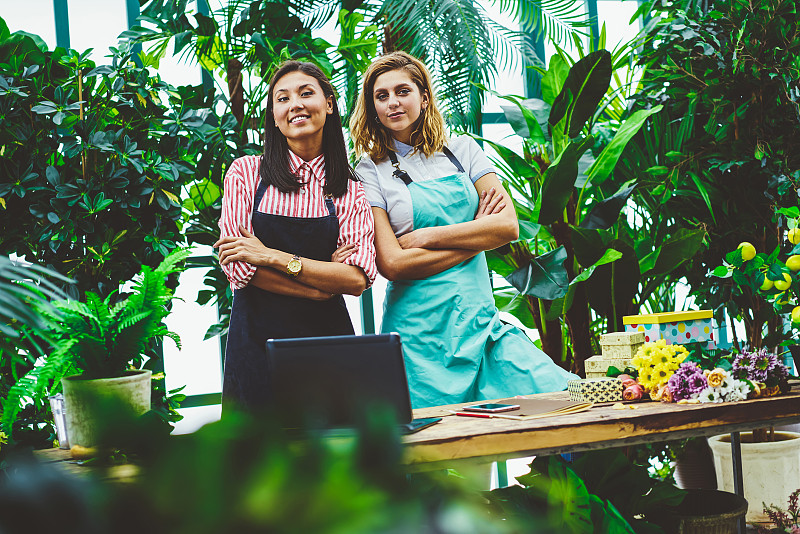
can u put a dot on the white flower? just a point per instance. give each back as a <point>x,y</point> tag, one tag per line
<point>710,395</point>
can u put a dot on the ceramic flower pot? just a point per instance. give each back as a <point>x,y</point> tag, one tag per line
<point>90,405</point>
<point>771,470</point>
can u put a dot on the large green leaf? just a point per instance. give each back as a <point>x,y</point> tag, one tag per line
<point>622,287</point>
<point>509,300</point>
<point>587,83</point>
<point>677,249</point>
<point>608,158</point>
<point>22,47</point>
<point>516,163</point>
<point>559,180</point>
<point>606,212</point>
<point>545,277</point>
<point>607,257</point>
<point>528,118</point>
<point>589,245</point>
<point>554,78</point>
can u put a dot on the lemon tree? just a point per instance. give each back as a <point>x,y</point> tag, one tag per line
<point>770,278</point>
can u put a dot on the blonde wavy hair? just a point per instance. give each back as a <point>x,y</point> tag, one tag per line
<point>370,136</point>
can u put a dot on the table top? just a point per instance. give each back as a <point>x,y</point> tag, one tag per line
<point>466,438</point>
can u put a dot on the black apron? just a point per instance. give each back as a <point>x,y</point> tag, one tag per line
<point>258,315</point>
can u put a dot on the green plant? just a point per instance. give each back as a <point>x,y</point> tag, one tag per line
<point>602,491</point>
<point>724,149</point>
<point>767,283</point>
<point>251,476</point>
<point>92,163</point>
<point>24,289</point>
<point>99,338</point>
<point>569,211</point>
<point>786,521</point>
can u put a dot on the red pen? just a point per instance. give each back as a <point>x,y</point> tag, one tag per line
<point>487,415</point>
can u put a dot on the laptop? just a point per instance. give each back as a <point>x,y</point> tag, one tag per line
<point>337,381</point>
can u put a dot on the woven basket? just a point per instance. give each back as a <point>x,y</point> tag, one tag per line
<point>703,511</point>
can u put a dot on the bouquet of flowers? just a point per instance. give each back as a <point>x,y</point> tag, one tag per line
<point>722,387</point>
<point>656,362</point>
<point>688,382</point>
<point>762,368</point>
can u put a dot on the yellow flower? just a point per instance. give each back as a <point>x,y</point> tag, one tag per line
<point>716,377</point>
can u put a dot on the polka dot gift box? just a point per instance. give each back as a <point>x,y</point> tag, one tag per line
<point>676,328</point>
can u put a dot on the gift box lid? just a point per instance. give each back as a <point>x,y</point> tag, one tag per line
<point>622,338</point>
<point>667,317</point>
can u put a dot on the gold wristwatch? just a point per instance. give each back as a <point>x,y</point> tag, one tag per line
<point>294,266</point>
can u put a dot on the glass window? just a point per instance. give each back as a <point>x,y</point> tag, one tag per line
<point>32,16</point>
<point>96,24</point>
<point>616,15</point>
<point>198,364</point>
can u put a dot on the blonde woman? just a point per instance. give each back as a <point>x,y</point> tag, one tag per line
<point>437,205</point>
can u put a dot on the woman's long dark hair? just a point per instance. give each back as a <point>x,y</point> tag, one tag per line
<point>274,168</point>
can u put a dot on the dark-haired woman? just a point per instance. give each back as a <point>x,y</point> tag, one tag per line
<point>296,231</point>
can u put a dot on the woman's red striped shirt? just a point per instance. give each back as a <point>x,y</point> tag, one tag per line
<point>356,225</point>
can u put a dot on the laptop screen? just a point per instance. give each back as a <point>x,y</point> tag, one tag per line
<point>337,380</point>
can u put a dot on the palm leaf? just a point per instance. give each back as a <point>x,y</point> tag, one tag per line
<point>558,20</point>
<point>462,46</point>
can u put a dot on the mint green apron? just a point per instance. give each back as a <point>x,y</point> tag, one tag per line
<point>457,349</point>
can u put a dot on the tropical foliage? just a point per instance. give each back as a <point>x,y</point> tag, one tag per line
<point>570,210</point>
<point>602,491</point>
<point>725,150</point>
<point>92,163</point>
<point>99,338</point>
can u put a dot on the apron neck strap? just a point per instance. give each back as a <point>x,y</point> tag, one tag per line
<point>452,159</point>
<point>398,172</point>
<point>329,204</point>
<point>262,188</point>
<point>403,175</point>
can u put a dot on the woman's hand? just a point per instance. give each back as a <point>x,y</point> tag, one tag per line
<point>247,248</point>
<point>491,202</point>
<point>415,239</point>
<point>344,252</point>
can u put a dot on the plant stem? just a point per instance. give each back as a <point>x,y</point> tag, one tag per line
<point>80,116</point>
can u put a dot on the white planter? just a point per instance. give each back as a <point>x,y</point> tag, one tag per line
<point>771,470</point>
<point>90,404</point>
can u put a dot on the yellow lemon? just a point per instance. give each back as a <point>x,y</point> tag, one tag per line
<point>794,236</point>
<point>793,262</point>
<point>784,284</point>
<point>796,314</point>
<point>748,250</point>
<point>767,285</point>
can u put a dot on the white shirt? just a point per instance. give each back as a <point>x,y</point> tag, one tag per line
<point>385,191</point>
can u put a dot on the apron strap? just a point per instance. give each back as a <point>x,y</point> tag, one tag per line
<point>403,175</point>
<point>262,188</point>
<point>452,159</point>
<point>330,206</point>
<point>398,172</point>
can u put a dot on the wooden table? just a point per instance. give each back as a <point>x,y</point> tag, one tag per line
<point>467,438</point>
<point>456,439</point>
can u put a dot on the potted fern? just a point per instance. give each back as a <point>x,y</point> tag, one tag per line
<point>99,349</point>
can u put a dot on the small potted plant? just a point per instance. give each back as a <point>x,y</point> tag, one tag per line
<point>99,350</point>
<point>785,521</point>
